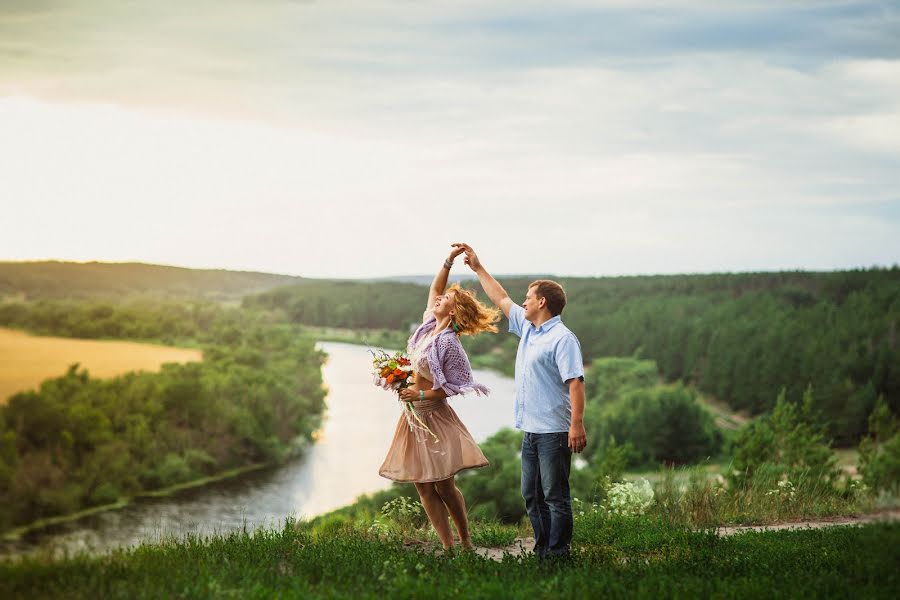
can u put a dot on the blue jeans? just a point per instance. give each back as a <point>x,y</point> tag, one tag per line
<point>546,462</point>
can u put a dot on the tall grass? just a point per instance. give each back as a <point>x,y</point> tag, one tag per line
<point>693,498</point>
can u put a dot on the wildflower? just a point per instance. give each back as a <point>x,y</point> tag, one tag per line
<point>628,498</point>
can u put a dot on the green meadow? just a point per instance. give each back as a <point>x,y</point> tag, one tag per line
<point>613,557</point>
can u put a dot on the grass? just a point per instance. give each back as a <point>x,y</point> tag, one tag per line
<point>619,557</point>
<point>26,360</point>
<point>699,496</point>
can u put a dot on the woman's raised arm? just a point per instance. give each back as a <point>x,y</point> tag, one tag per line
<point>440,280</point>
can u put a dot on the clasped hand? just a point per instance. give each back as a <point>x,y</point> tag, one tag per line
<point>471,258</point>
<point>409,394</point>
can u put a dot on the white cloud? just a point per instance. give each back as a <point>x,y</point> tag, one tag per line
<point>314,139</point>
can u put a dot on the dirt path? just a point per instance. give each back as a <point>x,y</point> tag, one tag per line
<point>879,517</point>
<point>523,546</point>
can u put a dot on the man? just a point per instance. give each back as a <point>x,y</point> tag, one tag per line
<point>549,403</point>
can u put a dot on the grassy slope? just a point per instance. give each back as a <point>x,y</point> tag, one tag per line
<point>622,557</point>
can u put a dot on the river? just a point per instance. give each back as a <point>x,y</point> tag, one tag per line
<point>341,465</point>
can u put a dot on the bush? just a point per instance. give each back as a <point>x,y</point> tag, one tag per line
<point>629,498</point>
<point>879,452</point>
<point>788,440</point>
<point>174,469</point>
<point>105,493</point>
<point>607,465</point>
<point>664,424</point>
<point>400,516</point>
<point>494,492</point>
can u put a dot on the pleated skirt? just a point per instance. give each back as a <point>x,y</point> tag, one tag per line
<point>416,456</point>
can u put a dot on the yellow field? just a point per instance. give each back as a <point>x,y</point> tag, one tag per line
<point>26,360</point>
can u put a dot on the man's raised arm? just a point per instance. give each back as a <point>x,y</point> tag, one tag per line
<point>491,287</point>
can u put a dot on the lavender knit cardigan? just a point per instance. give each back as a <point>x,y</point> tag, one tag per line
<point>449,364</point>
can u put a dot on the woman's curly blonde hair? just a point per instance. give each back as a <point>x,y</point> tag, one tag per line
<point>471,316</point>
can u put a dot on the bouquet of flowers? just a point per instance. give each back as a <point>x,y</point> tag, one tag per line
<point>393,372</point>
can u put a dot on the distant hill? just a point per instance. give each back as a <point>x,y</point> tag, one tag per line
<point>56,279</point>
<point>463,276</point>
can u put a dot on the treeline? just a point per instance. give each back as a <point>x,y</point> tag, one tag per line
<point>188,321</point>
<point>35,280</point>
<point>743,338</point>
<point>738,337</point>
<point>347,304</point>
<point>77,442</point>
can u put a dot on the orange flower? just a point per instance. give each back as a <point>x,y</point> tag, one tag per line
<point>390,379</point>
<point>398,372</point>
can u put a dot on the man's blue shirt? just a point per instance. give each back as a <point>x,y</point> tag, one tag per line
<point>548,357</point>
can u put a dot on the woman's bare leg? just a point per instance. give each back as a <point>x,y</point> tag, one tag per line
<point>437,513</point>
<point>456,505</point>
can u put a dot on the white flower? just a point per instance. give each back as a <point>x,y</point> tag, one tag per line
<point>628,498</point>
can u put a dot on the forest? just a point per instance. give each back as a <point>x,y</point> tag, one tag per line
<point>739,338</point>
<point>35,280</point>
<point>78,441</point>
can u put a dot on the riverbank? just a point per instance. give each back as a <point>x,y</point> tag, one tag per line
<point>79,444</point>
<point>18,532</point>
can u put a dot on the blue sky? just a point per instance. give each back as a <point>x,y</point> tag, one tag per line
<point>578,138</point>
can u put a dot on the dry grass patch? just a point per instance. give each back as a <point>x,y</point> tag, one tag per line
<point>26,360</point>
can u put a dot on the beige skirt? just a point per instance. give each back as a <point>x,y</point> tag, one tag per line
<point>415,456</point>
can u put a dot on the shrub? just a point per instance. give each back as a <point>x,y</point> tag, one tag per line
<point>494,492</point>
<point>607,465</point>
<point>630,498</point>
<point>400,516</point>
<point>663,425</point>
<point>879,452</point>
<point>174,469</point>
<point>105,493</point>
<point>789,440</point>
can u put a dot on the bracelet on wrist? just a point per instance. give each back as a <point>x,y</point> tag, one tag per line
<point>447,264</point>
<point>421,394</point>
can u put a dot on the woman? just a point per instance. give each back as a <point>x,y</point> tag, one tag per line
<point>442,369</point>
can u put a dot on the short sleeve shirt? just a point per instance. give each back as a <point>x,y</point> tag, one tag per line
<point>548,357</point>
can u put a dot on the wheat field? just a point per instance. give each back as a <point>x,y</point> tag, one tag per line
<point>26,360</point>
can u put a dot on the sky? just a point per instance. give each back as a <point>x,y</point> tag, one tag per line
<point>361,138</point>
